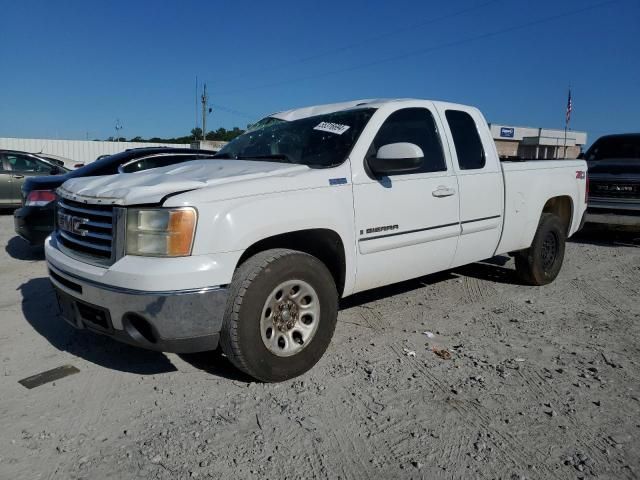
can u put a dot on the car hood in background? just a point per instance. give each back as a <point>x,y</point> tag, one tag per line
<point>220,178</point>
<point>44,182</point>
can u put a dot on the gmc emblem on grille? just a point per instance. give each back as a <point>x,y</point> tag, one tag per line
<point>72,224</point>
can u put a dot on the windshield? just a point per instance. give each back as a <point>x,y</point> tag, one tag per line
<point>104,166</point>
<point>319,142</point>
<point>615,147</point>
<point>264,122</point>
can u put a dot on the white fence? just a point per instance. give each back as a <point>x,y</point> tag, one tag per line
<point>79,150</point>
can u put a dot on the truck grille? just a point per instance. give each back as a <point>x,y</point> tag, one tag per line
<point>609,189</point>
<point>86,228</point>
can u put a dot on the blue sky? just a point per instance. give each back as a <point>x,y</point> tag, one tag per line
<point>68,69</point>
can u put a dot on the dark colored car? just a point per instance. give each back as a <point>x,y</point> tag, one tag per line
<point>35,220</point>
<point>614,180</point>
<point>17,167</point>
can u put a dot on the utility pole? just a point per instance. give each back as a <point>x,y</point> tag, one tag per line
<point>118,127</point>
<point>204,112</point>
<point>196,107</point>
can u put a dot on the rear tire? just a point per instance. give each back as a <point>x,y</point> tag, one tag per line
<point>541,263</point>
<point>280,316</point>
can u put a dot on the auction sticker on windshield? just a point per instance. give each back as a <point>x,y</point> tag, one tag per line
<point>331,127</point>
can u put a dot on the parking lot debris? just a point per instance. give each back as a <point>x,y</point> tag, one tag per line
<point>428,334</point>
<point>443,353</point>
<point>408,353</point>
<point>48,376</point>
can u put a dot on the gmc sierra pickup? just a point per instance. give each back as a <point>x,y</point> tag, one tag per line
<point>253,249</point>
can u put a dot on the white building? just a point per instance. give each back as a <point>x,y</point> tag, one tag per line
<point>536,143</point>
<point>82,151</point>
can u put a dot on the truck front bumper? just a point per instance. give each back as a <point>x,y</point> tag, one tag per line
<point>179,321</point>
<point>614,212</point>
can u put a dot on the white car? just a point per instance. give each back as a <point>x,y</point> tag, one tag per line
<point>253,250</point>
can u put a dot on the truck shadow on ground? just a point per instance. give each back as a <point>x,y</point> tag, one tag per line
<point>608,236</point>
<point>392,290</point>
<point>492,270</point>
<point>20,250</point>
<point>216,363</point>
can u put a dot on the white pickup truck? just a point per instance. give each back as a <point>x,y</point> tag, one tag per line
<point>253,249</point>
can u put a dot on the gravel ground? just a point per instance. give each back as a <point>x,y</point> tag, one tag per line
<point>514,382</point>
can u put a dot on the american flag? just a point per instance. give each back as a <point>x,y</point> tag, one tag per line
<point>569,108</point>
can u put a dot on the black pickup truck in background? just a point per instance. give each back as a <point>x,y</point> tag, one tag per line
<point>614,180</point>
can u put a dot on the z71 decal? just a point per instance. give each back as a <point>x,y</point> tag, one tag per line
<point>581,174</point>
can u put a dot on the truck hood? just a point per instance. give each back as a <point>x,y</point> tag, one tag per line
<point>151,186</point>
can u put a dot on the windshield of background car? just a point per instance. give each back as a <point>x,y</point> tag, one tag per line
<point>319,142</point>
<point>159,161</point>
<point>614,147</point>
<point>109,165</point>
<point>104,166</point>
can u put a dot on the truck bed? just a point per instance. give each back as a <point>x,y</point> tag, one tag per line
<point>526,185</point>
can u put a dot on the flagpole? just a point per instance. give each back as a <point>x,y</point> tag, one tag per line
<point>566,122</point>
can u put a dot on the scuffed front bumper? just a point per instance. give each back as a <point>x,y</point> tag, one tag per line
<point>179,321</point>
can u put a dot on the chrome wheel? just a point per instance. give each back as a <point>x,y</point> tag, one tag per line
<point>290,318</point>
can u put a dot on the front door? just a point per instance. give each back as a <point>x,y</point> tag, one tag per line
<point>6,187</point>
<point>23,166</point>
<point>407,225</point>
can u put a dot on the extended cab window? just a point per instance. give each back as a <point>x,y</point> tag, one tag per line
<point>417,126</point>
<point>466,140</point>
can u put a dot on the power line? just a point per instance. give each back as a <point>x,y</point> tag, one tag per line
<point>233,111</point>
<point>426,50</point>
<point>366,41</point>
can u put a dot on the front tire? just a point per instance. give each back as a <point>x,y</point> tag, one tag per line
<point>542,261</point>
<point>280,316</point>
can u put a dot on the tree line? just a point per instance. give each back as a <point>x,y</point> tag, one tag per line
<point>221,135</point>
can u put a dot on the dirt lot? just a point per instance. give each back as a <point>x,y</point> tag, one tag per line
<point>541,383</point>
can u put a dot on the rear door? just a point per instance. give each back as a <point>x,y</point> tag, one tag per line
<point>480,180</point>
<point>407,225</point>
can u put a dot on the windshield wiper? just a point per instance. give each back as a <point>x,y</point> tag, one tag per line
<point>275,156</point>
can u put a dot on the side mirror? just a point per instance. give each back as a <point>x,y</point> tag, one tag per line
<point>396,158</point>
<point>55,170</point>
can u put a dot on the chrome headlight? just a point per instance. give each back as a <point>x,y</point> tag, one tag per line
<point>161,232</point>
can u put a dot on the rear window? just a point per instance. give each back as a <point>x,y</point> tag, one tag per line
<point>614,148</point>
